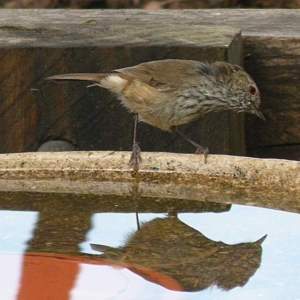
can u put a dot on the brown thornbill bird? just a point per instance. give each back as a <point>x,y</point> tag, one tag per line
<point>172,92</point>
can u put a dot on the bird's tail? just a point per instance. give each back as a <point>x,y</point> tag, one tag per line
<point>96,77</point>
<point>114,82</point>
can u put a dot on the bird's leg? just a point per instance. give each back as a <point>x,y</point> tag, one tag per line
<point>199,148</point>
<point>135,158</point>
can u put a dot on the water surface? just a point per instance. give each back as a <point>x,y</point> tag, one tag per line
<point>144,248</point>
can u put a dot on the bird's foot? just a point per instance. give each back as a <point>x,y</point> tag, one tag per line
<point>204,151</point>
<point>135,158</point>
<point>199,148</point>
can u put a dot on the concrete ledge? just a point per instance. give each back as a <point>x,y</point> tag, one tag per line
<point>184,169</point>
<point>228,179</point>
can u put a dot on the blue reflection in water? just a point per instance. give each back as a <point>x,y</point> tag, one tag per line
<point>113,228</point>
<point>16,228</point>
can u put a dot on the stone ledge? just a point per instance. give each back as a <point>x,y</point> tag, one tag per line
<point>157,167</point>
<point>224,179</point>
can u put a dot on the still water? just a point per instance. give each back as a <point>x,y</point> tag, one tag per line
<point>82,247</point>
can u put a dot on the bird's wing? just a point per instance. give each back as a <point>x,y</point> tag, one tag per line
<point>140,72</point>
<point>168,73</point>
<point>149,75</point>
<point>162,74</point>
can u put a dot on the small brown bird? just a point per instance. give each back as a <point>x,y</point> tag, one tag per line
<point>172,92</point>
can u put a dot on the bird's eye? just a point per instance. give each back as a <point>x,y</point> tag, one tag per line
<point>252,90</point>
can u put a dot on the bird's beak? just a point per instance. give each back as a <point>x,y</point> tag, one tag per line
<point>259,114</point>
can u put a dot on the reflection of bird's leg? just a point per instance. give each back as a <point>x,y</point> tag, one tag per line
<point>135,158</point>
<point>138,224</point>
<point>136,195</point>
<point>199,148</point>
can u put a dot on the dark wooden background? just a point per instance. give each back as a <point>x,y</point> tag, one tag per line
<point>36,45</point>
<point>35,110</point>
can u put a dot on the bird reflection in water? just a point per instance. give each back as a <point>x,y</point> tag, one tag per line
<point>175,249</point>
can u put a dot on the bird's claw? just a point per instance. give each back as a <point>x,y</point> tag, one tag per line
<point>204,151</point>
<point>135,157</point>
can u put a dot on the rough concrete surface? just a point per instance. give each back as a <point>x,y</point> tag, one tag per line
<point>169,168</point>
<point>229,179</point>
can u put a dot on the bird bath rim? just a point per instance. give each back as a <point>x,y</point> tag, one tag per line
<point>270,183</point>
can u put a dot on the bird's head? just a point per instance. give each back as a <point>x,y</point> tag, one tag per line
<point>244,95</point>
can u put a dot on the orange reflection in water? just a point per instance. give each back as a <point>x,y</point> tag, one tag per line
<point>53,275</point>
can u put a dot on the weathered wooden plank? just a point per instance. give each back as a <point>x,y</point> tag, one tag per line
<point>253,22</point>
<point>270,37</point>
<point>35,110</point>
<point>275,63</point>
